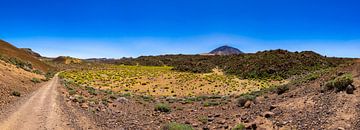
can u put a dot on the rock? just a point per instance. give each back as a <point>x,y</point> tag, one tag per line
<point>72,98</point>
<point>247,104</point>
<point>171,98</point>
<point>272,107</point>
<point>268,114</point>
<point>122,100</point>
<point>350,89</point>
<point>259,99</point>
<point>223,121</point>
<point>251,126</point>
<point>211,119</point>
<point>84,105</point>
<point>285,128</point>
<point>341,128</point>
<point>217,115</point>
<point>195,125</point>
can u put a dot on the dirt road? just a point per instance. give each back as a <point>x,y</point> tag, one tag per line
<point>41,110</point>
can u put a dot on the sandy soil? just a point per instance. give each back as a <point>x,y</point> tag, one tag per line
<point>42,110</point>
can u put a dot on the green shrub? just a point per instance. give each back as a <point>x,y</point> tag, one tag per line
<point>312,76</point>
<point>244,98</point>
<point>16,93</point>
<point>146,98</point>
<point>211,103</point>
<point>105,101</point>
<point>239,127</point>
<point>79,99</point>
<point>72,92</point>
<point>37,72</point>
<point>162,107</point>
<point>20,64</point>
<point>91,90</point>
<point>281,89</point>
<point>339,83</point>
<point>49,75</point>
<point>35,80</point>
<point>203,119</point>
<point>176,126</point>
<point>125,95</point>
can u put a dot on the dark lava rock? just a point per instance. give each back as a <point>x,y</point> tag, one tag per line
<point>350,89</point>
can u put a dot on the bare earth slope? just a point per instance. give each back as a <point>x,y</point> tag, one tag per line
<point>15,79</point>
<point>42,110</point>
<point>12,51</point>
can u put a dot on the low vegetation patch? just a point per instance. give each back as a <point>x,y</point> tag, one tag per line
<point>162,81</point>
<point>35,80</point>
<point>282,89</point>
<point>161,107</point>
<point>339,83</point>
<point>273,64</point>
<point>49,75</point>
<point>239,127</point>
<point>244,98</point>
<point>203,119</point>
<point>16,93</point>
<point>211,103</point>
<point>176,126</point>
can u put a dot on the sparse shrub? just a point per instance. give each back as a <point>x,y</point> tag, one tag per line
<point>244,98</point>
<point>239,127</point>
<point>35,80</point>
<point>312,76</point>
<point>339,83</point>
<point>176,126</point>
<point>146,98</point>
<point>16,93</point>
<point>20,64</point>
<point>203,119</point>
<point>211,103</point>
<point>79,99</point>
<point>281,89</point>
<point>72,92</point>
<point>91,90</point>
<point>49,75</point>
<point>215,97</point>
<point>108,91</point>
<point>162,107</point>
<point>37,72</point>
<point>105,101</point>
<point>112,96</point>
<point>125,95</point>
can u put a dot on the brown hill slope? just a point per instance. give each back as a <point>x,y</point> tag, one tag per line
<point>14,79</point>
<point>67,60</point>
<point>8,50</point>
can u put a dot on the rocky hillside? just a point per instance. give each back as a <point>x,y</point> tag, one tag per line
<point>21,58</point>
<point>16,82</point>
<point>31,52</point>
<point>67,60</point>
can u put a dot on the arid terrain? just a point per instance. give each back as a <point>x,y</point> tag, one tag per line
<point>267,90</point>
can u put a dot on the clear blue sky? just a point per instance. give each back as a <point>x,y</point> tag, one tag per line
<point>117,28</point>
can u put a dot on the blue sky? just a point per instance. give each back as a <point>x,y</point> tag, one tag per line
<point>123,28</point>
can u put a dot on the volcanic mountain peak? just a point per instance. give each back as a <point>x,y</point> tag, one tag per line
<point>226,50</point>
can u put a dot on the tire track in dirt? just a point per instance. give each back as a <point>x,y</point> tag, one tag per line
<point>40,111</point>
